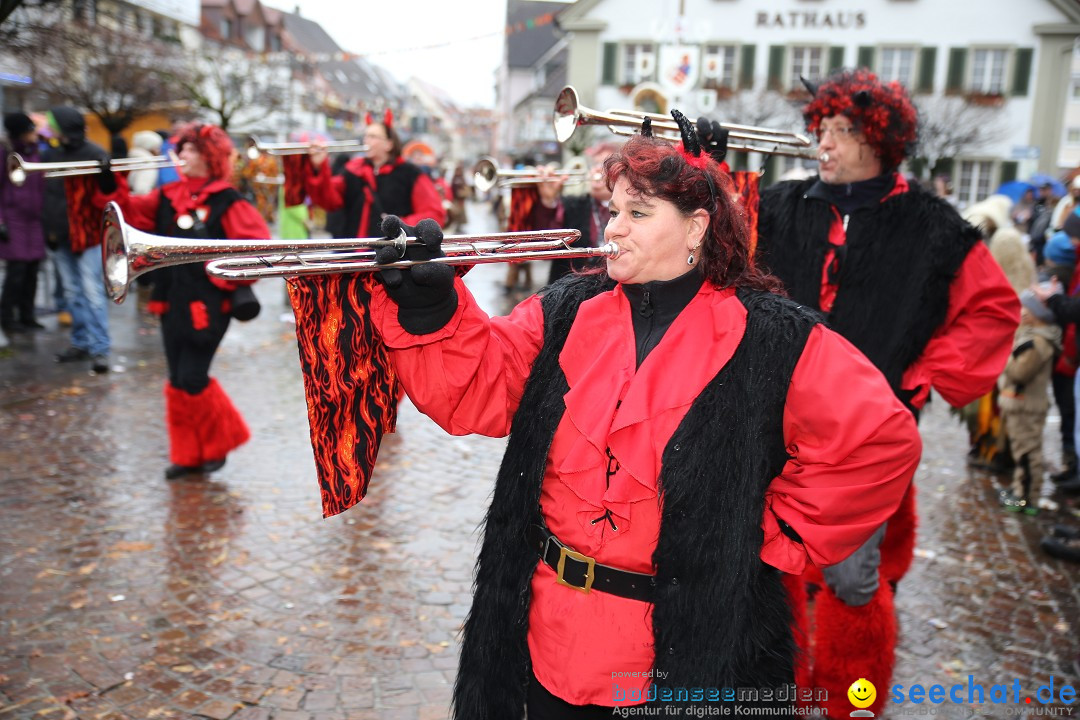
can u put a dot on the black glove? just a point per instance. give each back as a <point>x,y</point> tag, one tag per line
<point>713,138</point>
<point>106,179</point>
<point>3,232</point>
<point>424,294</point>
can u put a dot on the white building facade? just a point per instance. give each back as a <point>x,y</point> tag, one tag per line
<point>1014,58</point>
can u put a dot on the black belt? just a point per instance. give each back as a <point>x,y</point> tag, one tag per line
<point>583,573</point>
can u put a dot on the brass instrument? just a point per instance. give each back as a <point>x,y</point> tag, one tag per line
<point>487,174</point>
<point>127,253</point>
<point>18,169</point>
<point>569,115</point>
<point>298,148</point>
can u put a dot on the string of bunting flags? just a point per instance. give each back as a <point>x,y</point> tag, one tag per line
<point>511,29</point>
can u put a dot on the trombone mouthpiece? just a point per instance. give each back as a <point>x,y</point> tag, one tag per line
<point>823,157</point>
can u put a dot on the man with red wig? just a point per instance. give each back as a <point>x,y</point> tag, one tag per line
<point>195,308</point>
<point>907,281</point>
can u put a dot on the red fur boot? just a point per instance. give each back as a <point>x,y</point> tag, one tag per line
<point>898,546</point>
<point>203,427</point>
<point>796,593</point>
<point>222,429</point>
<point>852,643</point>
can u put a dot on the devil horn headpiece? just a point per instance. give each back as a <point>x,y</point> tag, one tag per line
<point>646,127</point>
<point>811,87</point>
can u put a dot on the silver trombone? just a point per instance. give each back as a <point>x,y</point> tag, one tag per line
<point>487,174</point>
<point>259,147</point>
<point>569,114</point>
<point>18,168</point>
<point>127,253</point>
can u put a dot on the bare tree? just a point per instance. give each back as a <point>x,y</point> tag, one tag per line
<point>238,88</point>
<point>952,126</point>
<point>112,71</point>
<point>762,108</point>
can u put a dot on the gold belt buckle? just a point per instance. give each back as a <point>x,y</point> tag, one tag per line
<point>590,572</point>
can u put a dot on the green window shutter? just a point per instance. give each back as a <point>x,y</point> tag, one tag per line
<point>954,81</point>
<point>776,67</point>
<point>836,57</point>
<point>611,54</point>
<point>1022,71</point>
<point>927,66</point>
<point>917,166</point>
<point>1008,170</point>
<point>746,67</point>
<point>866,57</point>
<point>945,167</point>
<point>739,161</point>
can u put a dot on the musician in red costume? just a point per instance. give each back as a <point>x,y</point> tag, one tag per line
<point>378,184</point>
<point>195,308</point>
<point>897,272</point>
<point>679,438</point>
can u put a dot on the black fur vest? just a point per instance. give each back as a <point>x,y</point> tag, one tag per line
<point>392,196</point>
<point>900,258</point>
<point>721,618</point>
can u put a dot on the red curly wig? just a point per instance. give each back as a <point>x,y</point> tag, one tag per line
<point>882,112</point>
<point>690,182</point>
<point>213,144</point>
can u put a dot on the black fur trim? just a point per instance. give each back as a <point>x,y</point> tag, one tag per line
<point>902,256</point>
<point>721,617</point>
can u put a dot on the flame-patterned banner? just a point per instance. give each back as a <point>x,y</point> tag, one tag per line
<point>522,200</point>
<point>84,219</point>
<point>294,167</point>
<point>349,382</point>
<point>746,183</point>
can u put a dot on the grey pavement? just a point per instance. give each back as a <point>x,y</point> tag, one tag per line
<point>124,596</point>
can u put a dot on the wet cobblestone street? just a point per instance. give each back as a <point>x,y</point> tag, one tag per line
<point>125,596</point>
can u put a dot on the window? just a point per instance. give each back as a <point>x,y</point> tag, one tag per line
<point>1074,89</point>
<point>988,71</point>
<point>788,167</point>
<point>808,62</point>
<point>639,63</point>
<point>256,38</point>
<point>1072,136</point>
<point>898,64</point>
<point>975,177</point>
<point>225,28</point>
<point>719,65</point>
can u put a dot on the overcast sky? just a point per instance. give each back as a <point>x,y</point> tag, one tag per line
<point>456,46</point>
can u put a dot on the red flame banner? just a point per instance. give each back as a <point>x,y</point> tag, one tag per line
<point>349,383</point>
<point>746,183</point>
<point>294,167</point>
<point>84,219</point>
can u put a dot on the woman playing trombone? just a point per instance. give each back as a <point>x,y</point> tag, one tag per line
<point>195,308</point>
<point>378,184</point>
<point>679,438</point>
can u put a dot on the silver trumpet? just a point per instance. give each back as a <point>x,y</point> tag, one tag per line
<point>487,174</point>
<point>569,114</point>
<point>127,253</point>
<point>18,168</point>
<point>259,147</point>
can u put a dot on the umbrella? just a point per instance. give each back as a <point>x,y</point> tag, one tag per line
<point>1040,179</point>
<point>1014,189</point>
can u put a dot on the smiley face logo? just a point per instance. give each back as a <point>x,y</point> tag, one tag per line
<point>862,693</point>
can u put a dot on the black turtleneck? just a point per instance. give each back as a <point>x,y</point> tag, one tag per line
<point>655,305</point>
<point>849,197</point>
